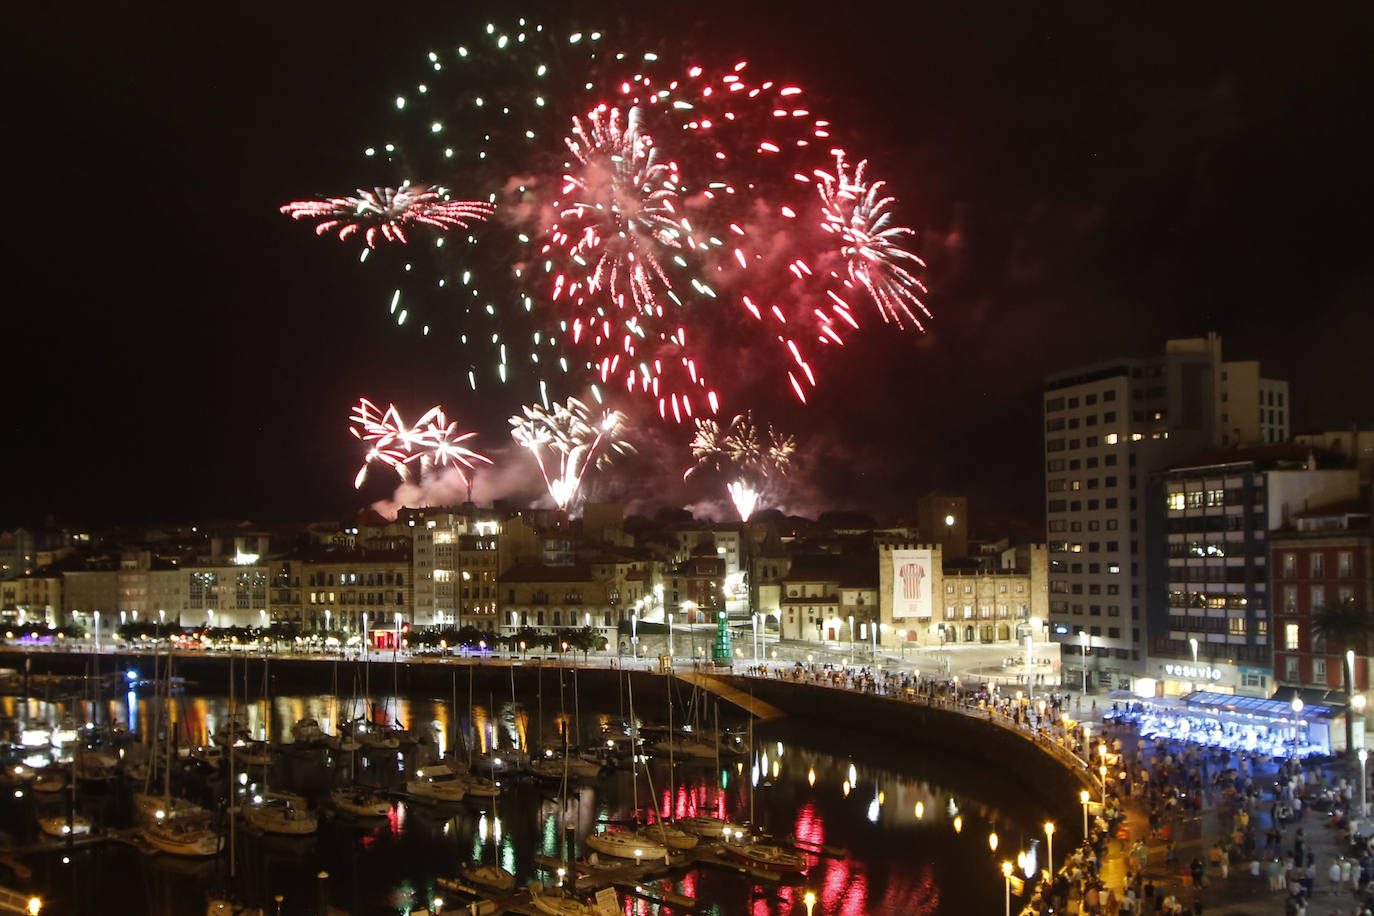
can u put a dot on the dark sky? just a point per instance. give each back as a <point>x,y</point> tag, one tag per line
<point>1086,181</point>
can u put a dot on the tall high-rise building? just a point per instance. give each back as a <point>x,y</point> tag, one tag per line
<point>1108,427</point>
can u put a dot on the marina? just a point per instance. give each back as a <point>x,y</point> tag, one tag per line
<point>753,830</point>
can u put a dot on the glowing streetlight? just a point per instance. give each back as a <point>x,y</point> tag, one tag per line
<point>1364,806</point>
<point>1297,719</point>
<point>1006,878</point>
<point>1049,848</point>
<point>810,900</point>
<point>1083,798</point>
<point>992,841</point>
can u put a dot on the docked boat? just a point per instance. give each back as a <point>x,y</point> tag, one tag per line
<point>626,846</point>
<point>765,857</point>
<point>151,808</point>
<point>182,836</point>
<point>479,786</point>
<point>309,731</point>
<point>669,835</point>
<point>95,766</point>
<point>234,730</point>
<point>437,783</point>
<point>281,813</point>
<point>709,827</point>
<point>254,754</point>
<point>51,779</point>
<point>558,903</point>
<point>502,762</point>
<point>489,875</point>
<point>61,828</point>
<point>359,802</point>
<point>552,766</point>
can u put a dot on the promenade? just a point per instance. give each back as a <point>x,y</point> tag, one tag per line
<point>1188,830</point>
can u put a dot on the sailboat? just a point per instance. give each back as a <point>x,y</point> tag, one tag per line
<point>560,903</point>
<point>169,824</point>
<point>437,783</point>
<point>489,874</point>
<point>280,813</point>
<point>182,836</point>
<point>61,827</point>
<point>359,802</point>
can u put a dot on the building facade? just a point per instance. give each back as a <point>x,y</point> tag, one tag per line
<point>1108,428</point>
<point>1209,605</point>
<point>1322,558</point>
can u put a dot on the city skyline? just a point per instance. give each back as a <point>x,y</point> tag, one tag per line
<point>1079,197</point>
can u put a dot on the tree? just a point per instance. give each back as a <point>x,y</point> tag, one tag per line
<point>1350,626</point>
<point>586,640</point>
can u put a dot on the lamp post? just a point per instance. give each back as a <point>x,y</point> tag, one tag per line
<point>1006,879</point>
<point>1049,847</point>
<point>810,901</point>
<point>1297,720</point>
<point>1364,807</point>
<point>1087,641</point>
<point>1349,698</point>
<point>1083,800</point>
<point>992,841</point>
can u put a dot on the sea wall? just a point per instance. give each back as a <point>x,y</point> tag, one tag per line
<point>885,729</point>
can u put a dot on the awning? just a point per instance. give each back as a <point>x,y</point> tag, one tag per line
<point>1312,696</point>
<point>1272,709</point>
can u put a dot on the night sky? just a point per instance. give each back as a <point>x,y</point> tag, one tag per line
<point>1085,183</point>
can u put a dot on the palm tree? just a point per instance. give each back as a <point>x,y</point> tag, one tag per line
<point>1350,626</point>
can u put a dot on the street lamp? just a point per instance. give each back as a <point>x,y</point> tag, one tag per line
<point>1049,848</point>
<point>1087,641</point>
<point>1364,807</point>
<point>992,841</point>
<point>810,900</point>
<point>1083,799</point>
<point>1297,720</point>
<point>1006,878</point>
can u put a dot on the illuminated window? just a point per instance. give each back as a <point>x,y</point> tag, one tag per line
<point>1175,502</point>
<point>1290,636</point>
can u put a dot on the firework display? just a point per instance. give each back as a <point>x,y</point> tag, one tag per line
<point>567,440</point>
<point>753,456</point>
<point>647,215</point>
<point>432,443</point>
<point>387,211</point>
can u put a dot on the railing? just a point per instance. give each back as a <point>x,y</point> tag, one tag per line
<point>1041,737</point>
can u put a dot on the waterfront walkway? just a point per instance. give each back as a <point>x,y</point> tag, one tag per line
<point>1188,830</point>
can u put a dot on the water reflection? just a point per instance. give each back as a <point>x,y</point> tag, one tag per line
<point>907,843</point>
